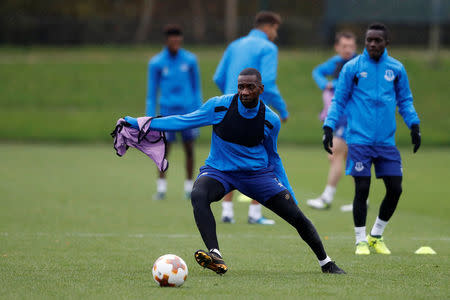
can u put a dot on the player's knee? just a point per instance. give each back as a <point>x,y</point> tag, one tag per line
<point>362,185</point>
<point>395,190</point>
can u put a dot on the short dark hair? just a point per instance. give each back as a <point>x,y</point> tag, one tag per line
<point>380,27</point>
<point>267,17</point>
<point>172,29</point>
<point>344,34</point>
<point>251,71</point>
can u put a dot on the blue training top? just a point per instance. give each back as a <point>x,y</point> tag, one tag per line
<point>178,80</point>
<point>252,51</point>
<point>369,92</point>
<point>226,156</point>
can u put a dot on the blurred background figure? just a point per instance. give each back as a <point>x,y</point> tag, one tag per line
<point>256,50</point>
<point>326,76</point>
<point>174,75</point>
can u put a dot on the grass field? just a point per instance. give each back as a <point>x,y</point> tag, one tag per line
<point>78,222</point>
<point>76,94</point>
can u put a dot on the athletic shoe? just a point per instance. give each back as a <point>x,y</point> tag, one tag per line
<point>331,267</point>
<point>362,248</point>
<point>229,220</point>
<point>378,244</point>
<point>347,207</point>
<point>159,196</point>
<point>318,203</point>
<point>211,260</point>
<point>260,221</point>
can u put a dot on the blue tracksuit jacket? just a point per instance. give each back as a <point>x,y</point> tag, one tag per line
<point>252,51</point>
<point>369,92</point>
<point>331,67</point>
<point>178,81</point>
<point>226,156</point>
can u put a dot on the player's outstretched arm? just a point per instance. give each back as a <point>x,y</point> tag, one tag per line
<point>203,116</point>
<point>270,143</point>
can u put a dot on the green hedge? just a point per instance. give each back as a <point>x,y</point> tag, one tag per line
<point>76,94</point>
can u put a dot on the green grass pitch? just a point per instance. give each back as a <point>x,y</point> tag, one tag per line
<point>78,222</point>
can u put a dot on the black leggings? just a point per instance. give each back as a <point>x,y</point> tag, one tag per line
<point>393,186</point>
<point>207,190</point>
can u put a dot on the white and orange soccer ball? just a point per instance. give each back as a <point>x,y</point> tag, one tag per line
<point>170,270</point>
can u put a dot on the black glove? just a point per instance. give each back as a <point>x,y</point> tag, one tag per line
<point>415,137</point>
<point>327,139</point>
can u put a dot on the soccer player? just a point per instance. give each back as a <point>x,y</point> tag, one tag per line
<point>345,46</point>
<point>256,50</point>
<point>243,156</point>
<point>369,89</point>
<point>175,73</point>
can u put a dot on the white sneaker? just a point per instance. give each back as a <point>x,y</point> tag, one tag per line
<point>318,203</point>
<point>347,207</point>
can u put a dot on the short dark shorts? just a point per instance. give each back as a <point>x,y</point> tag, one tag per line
<point>260,185</point>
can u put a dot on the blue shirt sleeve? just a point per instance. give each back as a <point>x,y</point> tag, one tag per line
<point>220,76</point>
<point>203,116</point>
<point>152,89</point>
<point>270,144</point>
<point>271,95</point>
<point>321,72</point>
<point>341,96</point>
<point>196,85</point>
<point>405,99</point>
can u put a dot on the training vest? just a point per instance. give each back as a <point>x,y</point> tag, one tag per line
<point>236,129</point>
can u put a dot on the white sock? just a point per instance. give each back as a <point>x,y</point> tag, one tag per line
<point>254,211</point>
<point>188,185</point>
<point>325,261</point>
<point>360,234</point>
<point>328,193</point>
<point>227,209</point>
<point>216,251</point>
<point>161,185</point>
<point>378,227</point>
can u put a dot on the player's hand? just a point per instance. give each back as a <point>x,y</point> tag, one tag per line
<point>415,137</point>
<point>327,139</point>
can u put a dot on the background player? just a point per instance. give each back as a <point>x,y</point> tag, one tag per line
<point>175,73</point>
<point>369,89</point>
<point>243,156</point>
<point>256,50</point>
<point>326,76</point>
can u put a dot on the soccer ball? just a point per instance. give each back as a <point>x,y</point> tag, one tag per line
<point>170,270</point>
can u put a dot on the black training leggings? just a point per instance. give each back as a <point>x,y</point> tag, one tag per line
<point>393,186</point>
<point>207,190</point>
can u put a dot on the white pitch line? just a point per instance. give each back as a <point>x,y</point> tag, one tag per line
<point>190,236</point>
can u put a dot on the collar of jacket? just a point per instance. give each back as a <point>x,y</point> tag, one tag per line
<point>258,33</point>
<point>167,53</point>
<point>383,56</point>
<point>248,112</point>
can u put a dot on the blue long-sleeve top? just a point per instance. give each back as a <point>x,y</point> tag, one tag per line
<point>330,68</point>
<point>177,79</point>
<point>226,156</point>
<point>252,51</point>
<point>369,92</point>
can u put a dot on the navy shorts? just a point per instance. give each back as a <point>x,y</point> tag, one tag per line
<point>187,135</point>
<point>386,159</point>
<point>260,185</point>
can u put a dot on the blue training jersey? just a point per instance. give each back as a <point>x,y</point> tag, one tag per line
<point>369,92</point>
<point>252,51</point>
<point>226,156</point>
<point>177,80</point>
